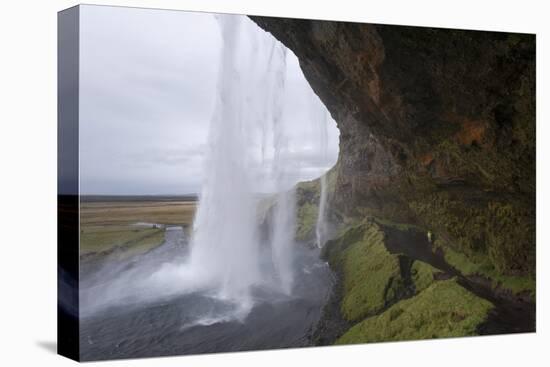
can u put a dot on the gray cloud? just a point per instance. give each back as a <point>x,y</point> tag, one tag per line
<point>148,86</point>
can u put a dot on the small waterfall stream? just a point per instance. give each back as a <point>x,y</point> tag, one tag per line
<point>320,230</point>
<point>320,227</point>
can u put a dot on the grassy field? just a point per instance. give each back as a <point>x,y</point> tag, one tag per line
<point>113,227</point>
<point>130,212</point>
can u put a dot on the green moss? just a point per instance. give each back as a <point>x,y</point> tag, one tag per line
<point>347,236</point>
<point>422,275</point>
<point>481,265</point>
<point>464,223</point>
<point>399,226</point>
<point>307,199</point>
<point>372,276</point>
<point>311,187</point>
<point>510,241</point>
<point>444,309</point>
<point>374,279</point>
<point>306,220</point>
<point>462,263</point>
<point>498,231</point>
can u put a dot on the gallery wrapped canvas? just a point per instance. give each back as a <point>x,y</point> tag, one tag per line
<point>233,183</point>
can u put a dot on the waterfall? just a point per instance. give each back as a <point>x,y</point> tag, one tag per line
<point>320,227</point>
<point>224,246</point>
<point>321,220</point>
<point>254,156</point>
<point>282,239</point>
<point>284,217</point>
<point>225,249</point>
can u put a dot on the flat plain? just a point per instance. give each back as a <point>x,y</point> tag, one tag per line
<point>128,227</point>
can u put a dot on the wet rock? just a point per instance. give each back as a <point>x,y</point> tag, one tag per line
<point>437,127</point>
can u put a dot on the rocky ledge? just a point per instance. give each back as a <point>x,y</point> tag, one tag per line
<point>437,133</point>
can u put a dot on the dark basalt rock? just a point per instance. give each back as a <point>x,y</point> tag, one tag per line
<point>437,128</point>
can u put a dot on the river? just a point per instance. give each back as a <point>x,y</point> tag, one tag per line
<point>118,323</point>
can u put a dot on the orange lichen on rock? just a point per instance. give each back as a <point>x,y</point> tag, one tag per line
<point>472,132</point>
<point>426,159</point>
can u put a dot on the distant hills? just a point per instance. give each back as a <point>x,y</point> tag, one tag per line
<point>106,198</point>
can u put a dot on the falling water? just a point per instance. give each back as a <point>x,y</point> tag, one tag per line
<point>225,246</point>
<point>321,221</point>
<point>320,228</point>
<point>229,264</point>
<point>283,238</point>
<point>284,218</point>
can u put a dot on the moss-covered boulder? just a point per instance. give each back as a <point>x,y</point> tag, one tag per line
<point>387,292</point>
<point>443,309</point>
<point>373,278</point>
<point>422,275</point>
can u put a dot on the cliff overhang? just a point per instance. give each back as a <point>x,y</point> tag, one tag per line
<point>437,129</point>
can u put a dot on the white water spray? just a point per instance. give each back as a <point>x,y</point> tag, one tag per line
<point>225,246</point>
<point>284,217</point>
<point>250,149</point>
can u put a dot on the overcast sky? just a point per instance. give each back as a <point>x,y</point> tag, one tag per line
<point>147,88</point>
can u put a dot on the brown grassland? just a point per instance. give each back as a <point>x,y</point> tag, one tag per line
<point>109,227</point>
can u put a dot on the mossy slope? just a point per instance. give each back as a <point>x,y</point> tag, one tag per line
<point>482,267</point>
<point>444,309</point>
<point>422,275</point>
<point>390,296</point>
<point>372,276</point>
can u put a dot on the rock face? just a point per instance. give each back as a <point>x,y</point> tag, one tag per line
<point>437,128</point>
